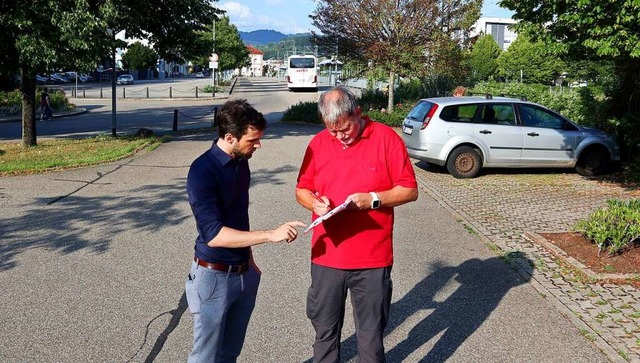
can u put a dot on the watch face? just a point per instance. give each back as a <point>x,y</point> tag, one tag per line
<point>376,204</point>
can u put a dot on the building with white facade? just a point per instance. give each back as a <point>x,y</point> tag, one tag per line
<point>498,28</point>
<point>256,58</point>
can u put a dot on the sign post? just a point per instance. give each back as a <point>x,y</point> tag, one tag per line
<point>213,64</point>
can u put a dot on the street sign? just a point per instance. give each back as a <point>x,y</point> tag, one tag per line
<point>213,65</point>
<point>100,69</point>
<point>214,57</point>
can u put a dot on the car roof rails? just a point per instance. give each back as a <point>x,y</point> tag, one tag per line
<point>488,96</point>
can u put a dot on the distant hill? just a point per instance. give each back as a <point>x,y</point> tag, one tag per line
<point>262,37</point>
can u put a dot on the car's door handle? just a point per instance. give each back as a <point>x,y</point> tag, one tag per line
<point>533,134</point>
<point>485,132</point>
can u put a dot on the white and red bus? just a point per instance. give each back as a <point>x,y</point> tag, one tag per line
<point>302,72</point>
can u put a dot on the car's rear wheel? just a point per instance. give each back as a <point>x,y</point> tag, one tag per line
<point>592,162</point>
<point>464,162</point>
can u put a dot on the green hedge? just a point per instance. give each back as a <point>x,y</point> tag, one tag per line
<point>308,112</point>
<point>302,112</point>
<point>11,102</point>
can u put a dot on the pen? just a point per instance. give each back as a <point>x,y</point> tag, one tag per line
<point>317,197</point>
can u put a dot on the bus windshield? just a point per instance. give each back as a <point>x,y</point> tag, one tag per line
<point>301,63</point>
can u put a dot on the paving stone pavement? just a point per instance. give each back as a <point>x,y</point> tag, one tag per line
<point>502,205</point>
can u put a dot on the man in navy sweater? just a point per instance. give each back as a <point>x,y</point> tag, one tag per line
<point>223,280</point>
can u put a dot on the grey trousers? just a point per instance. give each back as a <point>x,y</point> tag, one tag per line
<point>370,291</point>
<point>221,304</point>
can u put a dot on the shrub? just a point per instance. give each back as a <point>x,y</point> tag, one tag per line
<point>393,119</point>
<point>11,102</point>
<point>209,89</point>
<point>302,112</point>
<point>615,227</point>
<point>373,99</point>
<point>308,112</point>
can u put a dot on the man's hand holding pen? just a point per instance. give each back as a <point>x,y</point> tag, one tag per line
<point>321,205</point>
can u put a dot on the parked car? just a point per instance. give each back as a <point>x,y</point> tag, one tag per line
<point>125,79</point>
<point>466,134</point>
<point>59,78</point>
<point>199,75</point>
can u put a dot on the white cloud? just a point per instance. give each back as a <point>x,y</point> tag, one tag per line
<point>236,10</point>
<point>245,19</point>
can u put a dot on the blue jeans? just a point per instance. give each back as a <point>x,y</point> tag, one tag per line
<point>221,304</point>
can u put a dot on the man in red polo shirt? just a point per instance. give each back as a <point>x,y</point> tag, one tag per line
<point>367,163</point>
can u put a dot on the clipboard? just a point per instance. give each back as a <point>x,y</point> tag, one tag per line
<point>329,214</point>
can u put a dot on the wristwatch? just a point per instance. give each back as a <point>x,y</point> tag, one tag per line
<point>375,202</point>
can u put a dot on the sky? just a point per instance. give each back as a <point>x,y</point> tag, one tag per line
<point>292,16</point>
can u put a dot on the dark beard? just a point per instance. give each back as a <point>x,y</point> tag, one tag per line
<point>238,155</point>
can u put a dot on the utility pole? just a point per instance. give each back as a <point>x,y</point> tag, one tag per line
<point>213,51</point>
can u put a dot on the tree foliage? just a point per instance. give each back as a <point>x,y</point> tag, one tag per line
<point>601,27</point>
<point>46,35</point>
<point>483,58</point>
<point>231,51</point>
<point>531,62</point>
<point>600,30</point>
<point>396,35</point>
<point>139,56</point>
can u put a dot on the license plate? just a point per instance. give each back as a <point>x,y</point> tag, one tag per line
<point>407,130</point>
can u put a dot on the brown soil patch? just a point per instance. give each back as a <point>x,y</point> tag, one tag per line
<point>576,246</point>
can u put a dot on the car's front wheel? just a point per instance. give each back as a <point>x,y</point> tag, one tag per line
<point>592,162</point>
<point>464,162</point>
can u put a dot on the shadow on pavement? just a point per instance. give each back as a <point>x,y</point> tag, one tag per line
<point>70,223</point>
<point>481,286</point>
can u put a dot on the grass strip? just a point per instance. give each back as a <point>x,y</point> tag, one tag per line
<point>59,154</point>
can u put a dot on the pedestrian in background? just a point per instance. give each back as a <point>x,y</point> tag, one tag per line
<point>223,281</point>
<point>459,91</point>
<point>45,105</point>
<point>358,160</point>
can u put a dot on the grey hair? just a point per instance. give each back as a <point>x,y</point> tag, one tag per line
<point>346,104</point>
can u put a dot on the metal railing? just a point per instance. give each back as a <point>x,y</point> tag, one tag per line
<point>213,111</point>
<point>140,93</point>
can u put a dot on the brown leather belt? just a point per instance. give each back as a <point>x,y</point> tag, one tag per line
<point>222,266</point>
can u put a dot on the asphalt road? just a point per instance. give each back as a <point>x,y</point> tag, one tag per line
<point>269,95</point>
<point>93,261</point>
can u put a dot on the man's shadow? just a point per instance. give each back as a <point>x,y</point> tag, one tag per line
<point>481,286</point>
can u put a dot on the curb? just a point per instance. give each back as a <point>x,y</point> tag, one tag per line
<point>77,111</point>
<point>558,252</point>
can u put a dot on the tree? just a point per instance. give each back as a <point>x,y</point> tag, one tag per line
<point>45,35</point>
<point>231,51</point>
<point>139,56</point>
<point>600,30</point>
<point>533,62</point>
<point>484,55</point>
<point>395,35</point>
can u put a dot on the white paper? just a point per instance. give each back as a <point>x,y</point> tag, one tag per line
<point>329,214</point>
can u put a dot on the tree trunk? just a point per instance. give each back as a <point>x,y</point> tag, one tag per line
<point>392,82</point>
<point>28,90</point>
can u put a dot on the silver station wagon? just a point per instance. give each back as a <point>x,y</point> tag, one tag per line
<point>466,134</point>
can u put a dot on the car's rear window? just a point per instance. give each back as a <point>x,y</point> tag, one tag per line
<point>419,112</point>
<point>459,113</point>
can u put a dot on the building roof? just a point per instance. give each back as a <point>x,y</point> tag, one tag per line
<point>253,50</point>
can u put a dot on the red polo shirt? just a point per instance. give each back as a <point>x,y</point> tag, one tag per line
<point>377,161</point>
